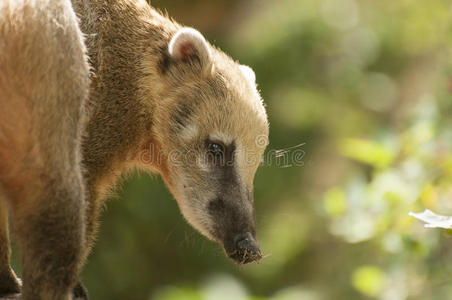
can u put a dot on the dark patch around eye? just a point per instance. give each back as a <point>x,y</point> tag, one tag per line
<point>226,159</point>
<point>229,154</point>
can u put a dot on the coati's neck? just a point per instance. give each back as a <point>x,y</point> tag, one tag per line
<point>119,34</point>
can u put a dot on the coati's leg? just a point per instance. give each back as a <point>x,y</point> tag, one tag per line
<point>50,232</point>
<point>44,82</point>
<point>91,226</point>
<point>8,281</point>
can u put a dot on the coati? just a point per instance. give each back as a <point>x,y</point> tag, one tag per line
<point>161,99</point>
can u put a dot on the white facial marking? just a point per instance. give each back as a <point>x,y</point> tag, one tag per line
<point>221,136</point>
<point>193,208</point>
<point>189,132</point>
<point>202,164</point>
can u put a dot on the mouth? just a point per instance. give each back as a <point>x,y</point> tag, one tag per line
<point>246,250</point>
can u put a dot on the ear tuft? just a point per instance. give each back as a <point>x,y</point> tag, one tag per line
<point>248,73</point>
<point>189,42</point>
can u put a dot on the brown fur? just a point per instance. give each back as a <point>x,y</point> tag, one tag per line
<point>43,87</point>
<point>138,88</point>
<point>146,103</point>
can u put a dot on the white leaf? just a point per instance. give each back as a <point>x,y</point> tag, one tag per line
<point>433,220</point>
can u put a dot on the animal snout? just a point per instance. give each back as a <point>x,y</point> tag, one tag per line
<point>246,249</point>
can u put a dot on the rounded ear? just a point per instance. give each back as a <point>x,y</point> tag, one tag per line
<point>248,73</point>
<point>188,43</point>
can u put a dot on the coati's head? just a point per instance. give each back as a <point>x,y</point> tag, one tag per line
<point>212,129</point>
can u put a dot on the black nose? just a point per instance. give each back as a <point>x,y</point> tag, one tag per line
<point>244,241</point>
<point>246,249</point>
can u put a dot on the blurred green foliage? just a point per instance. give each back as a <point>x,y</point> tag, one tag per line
<point>366,85</point>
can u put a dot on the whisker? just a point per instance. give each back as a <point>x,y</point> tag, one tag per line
<point>289,148</point>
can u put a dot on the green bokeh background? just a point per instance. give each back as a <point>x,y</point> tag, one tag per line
<point>366,85</point>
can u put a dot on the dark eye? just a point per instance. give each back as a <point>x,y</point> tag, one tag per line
<point>216,149</point>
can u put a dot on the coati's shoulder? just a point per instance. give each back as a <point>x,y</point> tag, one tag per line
<point>39,40</point>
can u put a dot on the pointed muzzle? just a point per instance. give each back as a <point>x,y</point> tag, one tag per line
<point>246,249</point>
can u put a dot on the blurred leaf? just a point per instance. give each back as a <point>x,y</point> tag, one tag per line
<point>334,202</point>
<point>368,280</point>
<point>224,287</point>
<point>295,293</point>
<point>367,151</point>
